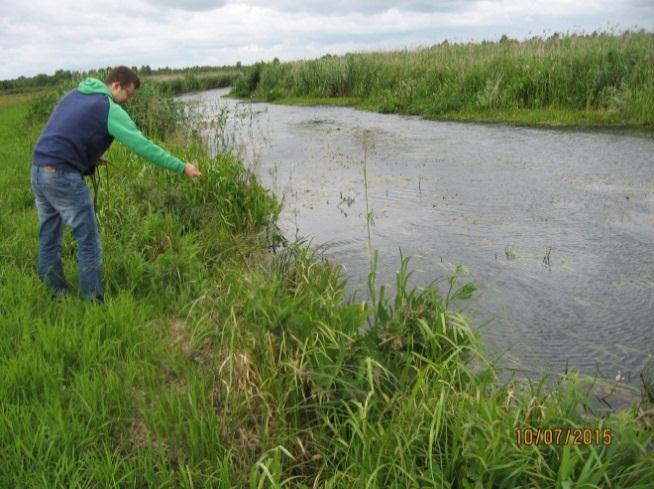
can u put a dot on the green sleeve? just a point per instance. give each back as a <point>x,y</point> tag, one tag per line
<point>122,127</point>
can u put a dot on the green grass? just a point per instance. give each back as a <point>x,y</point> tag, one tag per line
<point>337,102</point>
<point>548,117</point>
<point>604,79</point>
<point>218,363</point>
<point>175,84</point>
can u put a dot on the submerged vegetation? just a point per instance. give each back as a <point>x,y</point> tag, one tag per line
<point>221,360</point>
<point>598,79</point>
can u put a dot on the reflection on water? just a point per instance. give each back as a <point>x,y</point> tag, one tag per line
<point>556,226</point>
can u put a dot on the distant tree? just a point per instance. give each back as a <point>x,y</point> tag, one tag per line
<point>40,80</point>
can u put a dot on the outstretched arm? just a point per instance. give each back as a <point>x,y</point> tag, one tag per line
<point>122,127</point>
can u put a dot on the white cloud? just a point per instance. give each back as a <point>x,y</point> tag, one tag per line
<point>321,7</point>
<point>41,36</point>
<point>191,5</point>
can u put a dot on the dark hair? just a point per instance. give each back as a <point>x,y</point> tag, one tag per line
<point>123,75</point>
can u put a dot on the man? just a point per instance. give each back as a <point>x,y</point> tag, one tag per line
<point>79,131</point>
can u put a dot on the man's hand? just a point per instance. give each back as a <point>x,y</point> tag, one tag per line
<point>191,171</point>
<point>102,161</point>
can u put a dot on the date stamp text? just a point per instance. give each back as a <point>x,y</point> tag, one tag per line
<point>563,436</point>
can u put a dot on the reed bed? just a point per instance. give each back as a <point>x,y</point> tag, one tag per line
<point>217,362</point>
<point>575,79</point>
<point>177,84</point>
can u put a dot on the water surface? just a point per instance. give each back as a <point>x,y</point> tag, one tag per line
<point>555,226</point>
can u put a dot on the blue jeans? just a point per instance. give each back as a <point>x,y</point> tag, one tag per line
<point>63,197</point>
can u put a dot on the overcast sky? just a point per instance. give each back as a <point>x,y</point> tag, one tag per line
<point>41,36</point>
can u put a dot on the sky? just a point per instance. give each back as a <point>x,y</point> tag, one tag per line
<point>42,36</point>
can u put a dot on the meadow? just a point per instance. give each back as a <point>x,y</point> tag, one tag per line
<point>227,357</point>
<point>598,79</point>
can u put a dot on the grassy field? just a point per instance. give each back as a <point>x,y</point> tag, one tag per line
<point>223,360</point>
<point>603,79</point>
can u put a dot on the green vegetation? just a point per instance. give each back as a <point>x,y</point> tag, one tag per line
<point>35,83</point>
<point>587,80</point>
<point>221,360</point>
<point>171,81</point>
<point>177,84</point>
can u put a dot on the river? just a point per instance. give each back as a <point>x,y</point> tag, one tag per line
<point>555,226</point>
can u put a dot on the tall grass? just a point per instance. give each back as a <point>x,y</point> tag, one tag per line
<point>604,78</point>
<point>175,85</point>
<point>216,363</point>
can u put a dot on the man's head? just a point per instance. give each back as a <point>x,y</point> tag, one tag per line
<point>122,83</point>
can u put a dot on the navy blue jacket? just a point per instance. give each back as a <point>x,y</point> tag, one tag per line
<point>76,134</point>
<point>84,124</point>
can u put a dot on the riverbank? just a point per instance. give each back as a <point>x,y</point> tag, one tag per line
<point>217,362</point>
<point>543,118</point>
<point>536,215</point>
<point>599,80</point>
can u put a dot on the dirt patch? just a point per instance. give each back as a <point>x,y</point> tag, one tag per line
<point>181,336</point>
